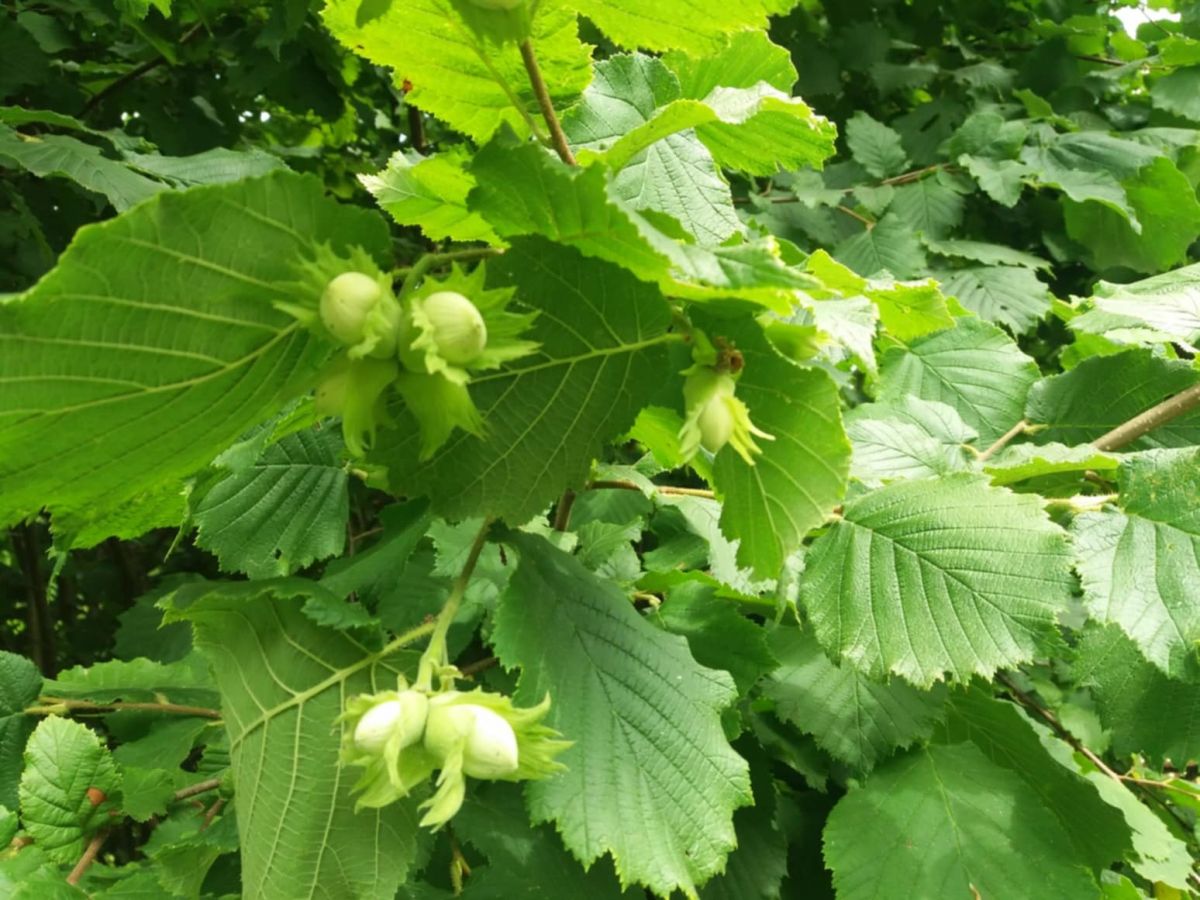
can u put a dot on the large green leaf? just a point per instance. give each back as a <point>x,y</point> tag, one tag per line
<point>888,245</point>
<point>637,101</point>
<point>697,27</point>
<point>645,718</point>
<point>154,343</point>
<point>1007,295</point>
<point>760,862</point>
<point>1006,737</point>
<point>524,190</point>
<point>473,83</point>
<point>947,822</point>
<point>430,192</point>
<point>1140,565</point>
<point>1162,308</point>
<point>1090,165</point>
<point>670,172</point>
<point>1179,92</point>
<point>1103,392</point>
<point>283,511</point>
<point>974,367</point>
<point>929,206</point>
<point>20,684</point>
<point>748,58</point>
<point>927,578</point>
<point>1165,203</point>
<point>57,155</point>
<point>284,680</point>
<point>911,438</point>
<point>874,146</point>
<point>1147,712</point>
<point>853,718</point>
<point>523,860</point>
<point>801,475</point>
<point>603,335</point>
<point>124,182</point>
<point>65,765</point>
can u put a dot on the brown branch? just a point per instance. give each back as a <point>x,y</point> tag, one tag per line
<point>134,74</point>
<point>562,513</point>
<point>480,665</point>
<point>49,706</point>
<point>40,629</point>
<point>915,175</point>
<point>1161,414</point>
<point>1050,719</point>
<point>1003,441</point>
<point>557,137</point>
<point>199,787</point>
<point>89,856</point>
<point>212,813</point>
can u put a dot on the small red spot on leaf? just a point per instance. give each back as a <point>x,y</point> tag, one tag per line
<point>96,796</point>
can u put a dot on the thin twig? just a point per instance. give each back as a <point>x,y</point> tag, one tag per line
<point>1002,441</point>
<point>616,484</point>
<point>869,223</point>
<point>1104,60</point>
<point>557,137</point>
<point>1050,719</point>
<point>89,856</point>
<point>199,787</point>
<point>134,74</point>
<point>482,665</point>
<point>50,706</point>
<point>915,175</point>
<point>211,813</point>
<point>1160,414</point>
<point>1167,785</point>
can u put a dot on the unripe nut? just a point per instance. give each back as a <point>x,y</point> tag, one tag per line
<point>404,717</point>
<point>491,744</point>
<point>458,329</point>
<point>716,424</point>
<point>345,304</point>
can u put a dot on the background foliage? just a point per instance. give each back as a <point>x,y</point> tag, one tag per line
<point>940,640</point>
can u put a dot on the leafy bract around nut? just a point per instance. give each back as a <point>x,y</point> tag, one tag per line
<point>382,733</point>
<point>449,328</point>
<point>445,322</point>
<point>715,416</point>
<point>347,300</point>
<point>439,405</point>
<point>354,389</point>
<point>473,734</point>
<point>400,738</point>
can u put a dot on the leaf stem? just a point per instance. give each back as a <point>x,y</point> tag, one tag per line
<point>435,652</point>
<point>1002,441</point>
<point>1160,414</point>
<point>557,137</point>
<point>412,274</point>
<point>50,706</point>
